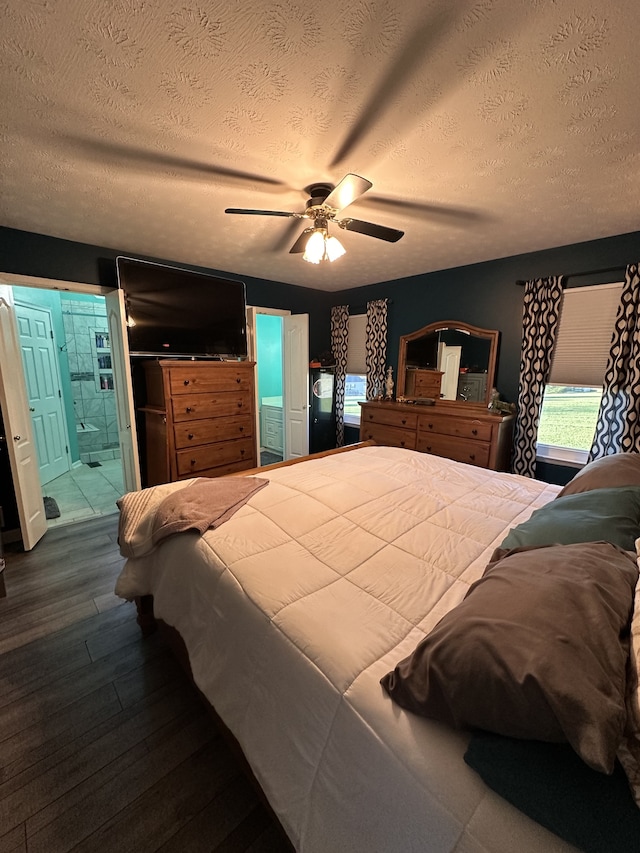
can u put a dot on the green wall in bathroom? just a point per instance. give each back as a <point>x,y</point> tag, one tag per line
<point>269,341</point>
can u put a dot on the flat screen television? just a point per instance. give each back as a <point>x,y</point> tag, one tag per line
<point>177,312</point>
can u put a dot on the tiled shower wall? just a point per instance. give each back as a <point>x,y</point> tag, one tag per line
<point>87,341</point>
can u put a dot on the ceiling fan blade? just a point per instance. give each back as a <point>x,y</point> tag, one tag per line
<point>150,159</point>
<point>260,212</point>
<point>447,213</point>
<point>348,190</point>
<point>301,243</point>
<point>287,233</point>
<point>391,235</point>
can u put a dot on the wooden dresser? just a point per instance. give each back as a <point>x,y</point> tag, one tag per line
<point>466,433</point>
<point>199,419</point>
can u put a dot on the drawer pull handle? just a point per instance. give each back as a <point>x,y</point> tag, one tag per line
<point>186,381</point>
<point>238,380</point>
<point>430,426</point>
<point>370,417</point>
<point>428,448</point>
<point>240,405</point>
<point>241,429</point>
<point>472,457</point>
<point>402,444</point>
<point>404,420</point>
<point>188,409</point>
<point>474,432</point>
<point>190,436</point>
<point>242,452</point>
<point>193,461</point>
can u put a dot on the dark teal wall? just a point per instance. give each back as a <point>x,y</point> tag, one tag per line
<point>487,295</point>
<point>483,294</point>
<point>48,257</point>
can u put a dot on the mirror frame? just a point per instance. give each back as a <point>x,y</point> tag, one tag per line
<point>492,335</point>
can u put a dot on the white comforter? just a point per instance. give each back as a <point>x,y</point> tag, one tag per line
<point>295,608</point>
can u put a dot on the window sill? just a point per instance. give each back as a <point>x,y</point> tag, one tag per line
<point>352,420</point>
<point>562,455</point>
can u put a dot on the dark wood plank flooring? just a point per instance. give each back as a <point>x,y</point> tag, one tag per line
<point>104,743</point>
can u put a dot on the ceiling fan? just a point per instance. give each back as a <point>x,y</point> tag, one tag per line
<point>323,207</point>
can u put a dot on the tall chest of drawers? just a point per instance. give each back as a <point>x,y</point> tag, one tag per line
<point>199,419</point>
<point>469,434</point>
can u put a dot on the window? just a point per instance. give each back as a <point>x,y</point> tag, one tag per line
<point>572,395</point>
<point>356,380</point>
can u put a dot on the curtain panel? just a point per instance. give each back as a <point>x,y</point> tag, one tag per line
<point>339,348</point>
<point>541,312</point>
<point>618,425</point>
<point>376,346</point>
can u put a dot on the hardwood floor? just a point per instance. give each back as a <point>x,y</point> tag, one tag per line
<point>104,743</point>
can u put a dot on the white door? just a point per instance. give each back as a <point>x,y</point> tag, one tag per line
<point>295,353</point>
<point>127,434</point>
<point>42,376</point>
<point>449,364</point>
<point>18,427</point>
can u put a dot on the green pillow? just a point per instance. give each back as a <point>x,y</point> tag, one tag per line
<point>601,515</point>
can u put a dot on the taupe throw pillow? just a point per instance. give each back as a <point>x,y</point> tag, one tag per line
<point>620,469</point>
<point>537,650</point>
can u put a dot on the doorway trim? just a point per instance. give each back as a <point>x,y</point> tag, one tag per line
<point>252,335</point>
<point>38,282</point>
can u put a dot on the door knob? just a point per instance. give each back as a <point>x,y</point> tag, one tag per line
<point>17,437</point>
<point>31,409</point>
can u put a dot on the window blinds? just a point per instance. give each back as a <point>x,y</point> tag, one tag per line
<point>584,335</point>
<point>357,344</point>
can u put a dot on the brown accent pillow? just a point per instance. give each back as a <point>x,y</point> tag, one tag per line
<point>620,469</point>
<point>537,650</point>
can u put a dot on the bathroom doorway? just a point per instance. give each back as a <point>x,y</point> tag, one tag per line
<point>90,479</point>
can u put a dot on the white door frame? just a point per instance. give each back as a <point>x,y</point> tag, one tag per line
<point>252,338</point>
<point>295,362</point>
<point>13,279</point>
<point>18,428</point>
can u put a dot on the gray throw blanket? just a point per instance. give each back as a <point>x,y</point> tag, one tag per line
<point>150,515</point>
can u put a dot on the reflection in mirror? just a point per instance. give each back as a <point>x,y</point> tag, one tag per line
<point>449,361</point>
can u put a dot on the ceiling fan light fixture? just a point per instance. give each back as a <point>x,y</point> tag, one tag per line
<point>334,248</point>
<point>321,247</point>
<point>315,249</point>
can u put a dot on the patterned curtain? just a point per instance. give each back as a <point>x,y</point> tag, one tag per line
<point>339,345</point>
<point>541,312</point>
<point>376,346</point>
<point>618,428</point>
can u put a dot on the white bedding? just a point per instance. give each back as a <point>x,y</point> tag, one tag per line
<point>295,608</point>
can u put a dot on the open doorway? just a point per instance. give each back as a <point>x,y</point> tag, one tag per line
<point>269,382</point>
<point>97,469</point>
<point>279,344</point>
<point>80,465</point>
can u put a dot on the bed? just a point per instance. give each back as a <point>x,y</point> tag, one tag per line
<point>295,609</point>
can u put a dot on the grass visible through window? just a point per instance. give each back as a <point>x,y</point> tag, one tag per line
<point>569,416</point>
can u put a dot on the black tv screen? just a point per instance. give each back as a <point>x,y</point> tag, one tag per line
<point>177,312</point>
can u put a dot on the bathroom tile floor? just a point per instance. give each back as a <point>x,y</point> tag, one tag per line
<point>85,492</point>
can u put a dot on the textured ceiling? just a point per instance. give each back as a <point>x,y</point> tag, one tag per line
<point>488,127</point>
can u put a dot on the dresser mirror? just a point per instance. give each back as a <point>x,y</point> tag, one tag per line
<point>449,360</point>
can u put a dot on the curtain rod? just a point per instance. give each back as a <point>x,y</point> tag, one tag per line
<point>586,272</point>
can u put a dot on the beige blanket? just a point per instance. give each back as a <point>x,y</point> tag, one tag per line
<point>150,515</point>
